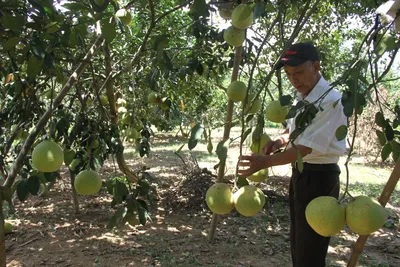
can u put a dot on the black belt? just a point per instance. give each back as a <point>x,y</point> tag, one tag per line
<point>320,167</point>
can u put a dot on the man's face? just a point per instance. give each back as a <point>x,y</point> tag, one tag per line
<point>303,77</point>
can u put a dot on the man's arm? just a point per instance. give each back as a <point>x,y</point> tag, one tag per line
<point>254,163</point>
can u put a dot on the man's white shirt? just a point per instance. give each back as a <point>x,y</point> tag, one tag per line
<point>320,135</point>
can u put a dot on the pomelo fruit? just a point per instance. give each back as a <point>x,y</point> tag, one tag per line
<point>325,215</point>
<point>153,98</point>
<point>69,156</point>
<point>87,182</point>
<point>256,146</point>
<point>104,100</point>
<point>7,227</point>
<point>47,156</point>
<point>124,15</point>
<point>365,215</point>
<point>275,112</point>
<point>234,36</point>
<point>237,91</point>
<point>249,200</point>
<point>252,105</point>
<point>219,198</point>
<point>225,13</point>
<point>74,164</point>
<point>242,16</point>
<point>260,176</point>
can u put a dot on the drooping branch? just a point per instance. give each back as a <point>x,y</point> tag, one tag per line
<point>114,116</point>
<point>72,80</point>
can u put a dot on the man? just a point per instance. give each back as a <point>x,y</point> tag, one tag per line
<point>318,147</point>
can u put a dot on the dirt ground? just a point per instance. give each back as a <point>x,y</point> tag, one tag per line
<point>48,233</point>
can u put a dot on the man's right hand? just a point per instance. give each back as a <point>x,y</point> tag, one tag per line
<point>272,146</point>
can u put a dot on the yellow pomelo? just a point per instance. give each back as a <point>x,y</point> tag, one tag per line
<point>7,227</point>
<point>47,156</point>
<point>236,91</point>
<point>225,13</point>
<point>260,176</point>
<point>219,198</point>
<point>234,36</point>
<point>249,200</point>
<point>124,15</point>
<point>153,98</point>
<point>256,146</point>
<point>365,215</point>
<point>325,215</point>
<point>275,112</point>
<point>242,16</point>
<point>87,182</point>
<point>252,105</point>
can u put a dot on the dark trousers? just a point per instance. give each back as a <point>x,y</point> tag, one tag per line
<point>308,248</point>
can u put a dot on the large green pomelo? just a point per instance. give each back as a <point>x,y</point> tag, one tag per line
<point>260,176</point>
<point>47,156</point>
<point>153,98</point>
<point>242,16</point>
<point>252,105</point>
<point>8,227</point>
<point>87,182</point>
<point>234,36</point>
<point>124,15</point>
<point>275,112</point>
<point>249,200</point>
<point>325,215</point>
<point>225,13</point>
<point>237,91</point>
<point>219,198</point>
<point>256,146</point>
<point>365,215</point>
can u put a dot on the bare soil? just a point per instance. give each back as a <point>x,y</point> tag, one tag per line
<point>48,233</point>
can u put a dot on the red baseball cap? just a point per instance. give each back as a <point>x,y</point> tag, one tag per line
<point>298,54</point>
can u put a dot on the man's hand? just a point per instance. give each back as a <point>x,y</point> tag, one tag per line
<point>272,146</point>
<point>249,164</point>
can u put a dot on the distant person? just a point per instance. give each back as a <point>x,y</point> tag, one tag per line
<point>317,145</point>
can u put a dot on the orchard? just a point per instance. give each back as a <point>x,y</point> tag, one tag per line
<point>121,124</point>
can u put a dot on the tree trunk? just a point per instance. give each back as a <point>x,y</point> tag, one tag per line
<point>358,247</point>
<point>114,117</point>
<point>73,79</point>
<point>227,130</point>
<point>2,237</point>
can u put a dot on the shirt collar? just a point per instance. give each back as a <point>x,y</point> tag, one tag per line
<point>321,87</point>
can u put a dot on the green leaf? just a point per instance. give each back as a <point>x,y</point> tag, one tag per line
<point>34,184</point>
<point>195,135</point>
<point>341,132</point>
<point>380,119</point>
<point>10,44</point>
<point>285,100</point>
<point>120,189</point>
<point>381,137</point>
<point>199,8</point>
<point>144,187</point>
<point>386,150</point>
<point>180,148</point>
<point>34,67</point>
<point>108,30</point>
<point>389,133</point>
<point>384,43</point>
<point>23,190</point>
<point>395,146</point>
<point>11,22</point>
<point>112,222</point>
<point>242,181</point>
<point>222,150</point>
<point>143,212</point>
<point>259,10</point>
<point>75,6</point>
<point>396,156</point>
<point>300,164</point>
